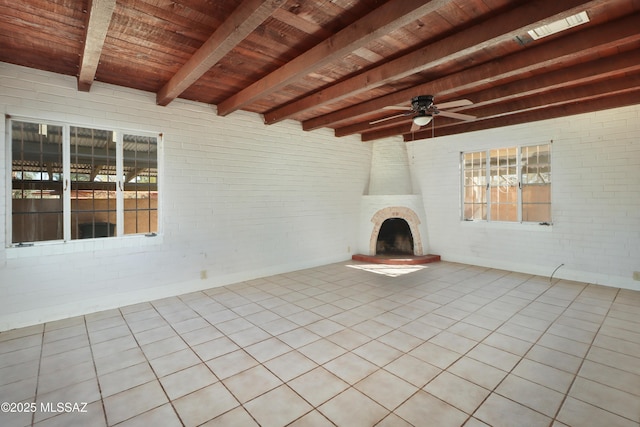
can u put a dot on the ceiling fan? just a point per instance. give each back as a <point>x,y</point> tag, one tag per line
<point>423,109</point>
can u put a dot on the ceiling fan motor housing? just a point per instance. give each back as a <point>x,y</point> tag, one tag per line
<point>421,103</point>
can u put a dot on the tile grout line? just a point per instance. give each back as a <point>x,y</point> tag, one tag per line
<point>566,395</point>
<point>456,321</point>
<point>240,404</point>
<point>350,386</point>
<point>95,369</point>
<point>530,347</point>
<point>469,416</point>
<point>304,327</point>
<point>298,326</point>
<point>553,419</point>
<point>150,366</point>
<point>493,331</point>
<point>35,396</point>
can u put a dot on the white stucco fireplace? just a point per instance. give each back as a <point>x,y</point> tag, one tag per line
<point>390,195</point>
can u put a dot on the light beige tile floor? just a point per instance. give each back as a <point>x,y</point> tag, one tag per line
<point>439,345</point>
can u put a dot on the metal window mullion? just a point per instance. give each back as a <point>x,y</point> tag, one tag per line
<point>93,189</point>
<point>66,182</point>
<point>9,194</point>
<point>519,174</point>
<point>462,185</point>
<point>136,206</point>
<point>488,181</point>
<point>119,184</point>
<point>159,192</point>
<point>550,180</point>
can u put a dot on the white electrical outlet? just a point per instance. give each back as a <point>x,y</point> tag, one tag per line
<point>203,274</point>
<point>636,275</point>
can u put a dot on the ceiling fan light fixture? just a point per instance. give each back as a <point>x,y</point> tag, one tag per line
<point>422,119</point>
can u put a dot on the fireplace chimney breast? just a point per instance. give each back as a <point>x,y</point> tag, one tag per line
<point>390,195</point>
<point>390,173</point>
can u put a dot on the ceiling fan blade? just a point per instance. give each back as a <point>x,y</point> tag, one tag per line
<point>453,104</point>
<point>397,107</point>
<point>414,127</point>
<point>458,116</point>
<point>384,119</point>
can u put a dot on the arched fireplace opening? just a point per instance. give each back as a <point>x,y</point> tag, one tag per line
<point>394,238</point>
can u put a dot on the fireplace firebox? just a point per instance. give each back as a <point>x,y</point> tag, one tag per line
<point>396,231</point>
<point>394,238</point>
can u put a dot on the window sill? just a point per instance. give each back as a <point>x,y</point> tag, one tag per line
<point>503,225</point>
<point>60,247</point>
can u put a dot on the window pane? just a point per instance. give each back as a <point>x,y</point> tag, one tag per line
<point>536,183</point>
<point>536,203</point>
<point>36,175</point>
<point>474,205</point>
<point>140,184</point>
<point>503,179</point>
<point>93,183</point>
<point>504,211</point>
<point>536,166</point>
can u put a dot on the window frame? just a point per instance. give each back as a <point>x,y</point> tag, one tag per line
<point>68,172</point>
<point>488,205</point>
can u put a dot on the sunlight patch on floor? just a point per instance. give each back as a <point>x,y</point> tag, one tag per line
<point>388,270</point>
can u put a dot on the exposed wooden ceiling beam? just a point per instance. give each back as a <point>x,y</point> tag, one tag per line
<point>605,88</point>
<point>583,73</point>
<point>100,13</point>
<point>568,48</point>
<point>499,29</point>
<point>242,22</point>
<point>383,20</point>
<point>579,74</point>
<point>301,24</point>
<point>563,110</point>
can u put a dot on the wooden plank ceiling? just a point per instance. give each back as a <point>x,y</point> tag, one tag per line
<point>338,63</point>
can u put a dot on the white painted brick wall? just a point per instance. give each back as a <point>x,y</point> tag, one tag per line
<point>595,199</point>
<point>240,200</point>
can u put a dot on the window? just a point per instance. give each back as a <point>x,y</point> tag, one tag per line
<point>72,182</point>
<point>507,184</point>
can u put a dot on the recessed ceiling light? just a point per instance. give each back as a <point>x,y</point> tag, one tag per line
<point>561,25</point>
